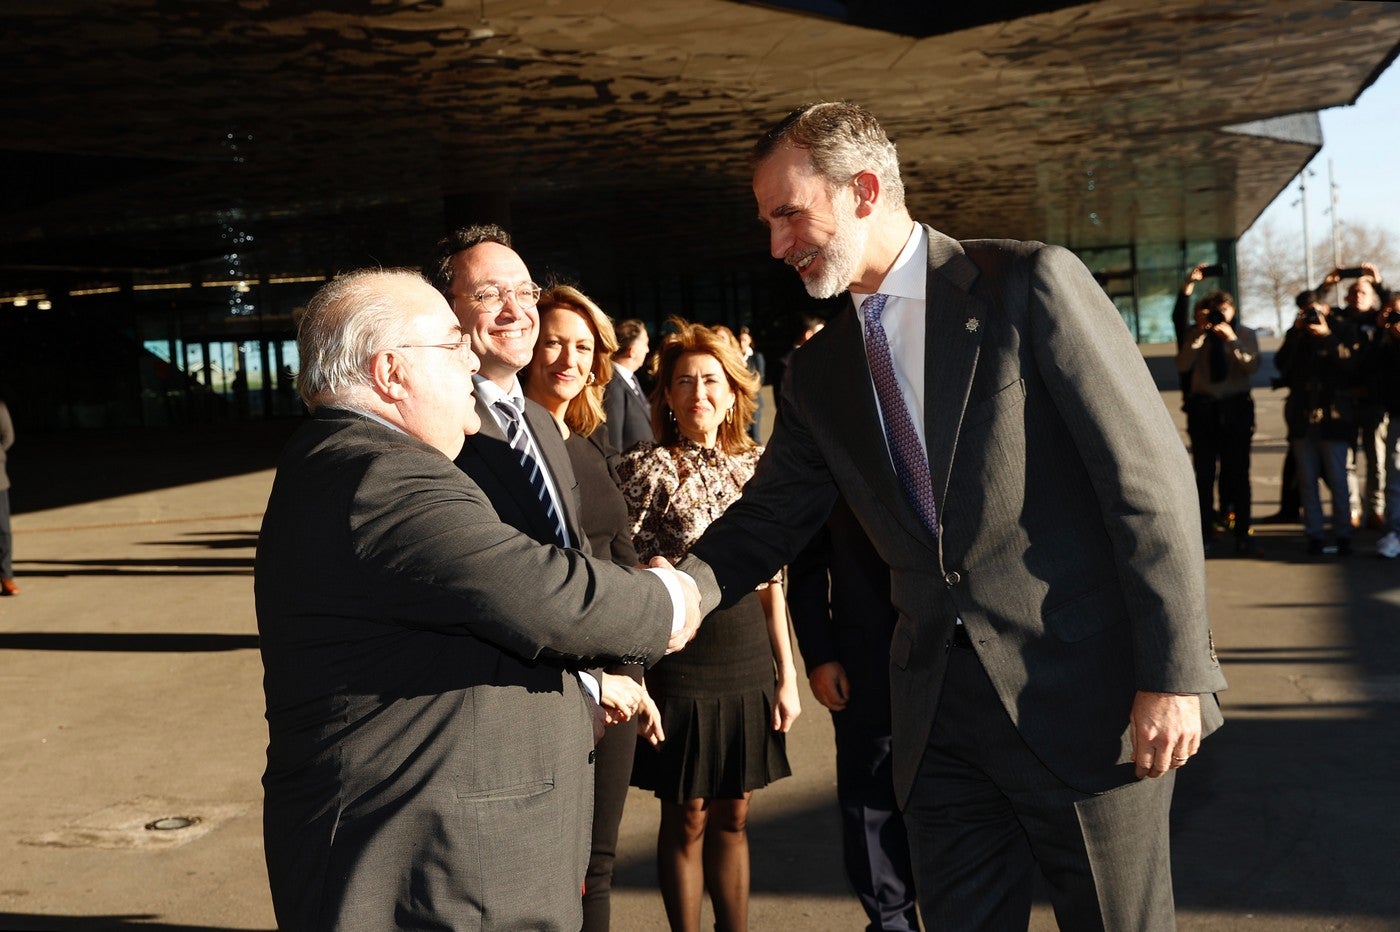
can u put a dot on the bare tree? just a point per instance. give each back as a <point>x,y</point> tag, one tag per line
<point>1270,273</point>
<point>1358,243</point>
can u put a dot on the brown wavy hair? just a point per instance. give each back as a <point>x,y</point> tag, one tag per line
<point>733,435</point>
<point>585,412</point>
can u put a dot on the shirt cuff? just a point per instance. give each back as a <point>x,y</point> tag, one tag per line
<point>673,586</point>
<point>590,682</point>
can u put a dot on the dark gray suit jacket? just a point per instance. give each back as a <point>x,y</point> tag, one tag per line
<point>1071,542</point>
<point>629,419</point>
<point>424,765</point>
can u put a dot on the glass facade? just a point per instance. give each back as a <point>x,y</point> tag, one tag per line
<point>1144,279</point>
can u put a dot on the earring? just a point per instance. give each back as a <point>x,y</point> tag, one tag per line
<point>592,378</point>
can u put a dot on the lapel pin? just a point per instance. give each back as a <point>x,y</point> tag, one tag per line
<point>972,324</point>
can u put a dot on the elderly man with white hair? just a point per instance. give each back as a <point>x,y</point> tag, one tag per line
<point>429,756</point>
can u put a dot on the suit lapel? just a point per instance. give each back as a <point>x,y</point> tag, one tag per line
<point>556,460</point>
<point>953,326</point>
<point>490,448</point>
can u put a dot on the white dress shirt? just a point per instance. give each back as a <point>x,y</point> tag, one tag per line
<point>903,321</point>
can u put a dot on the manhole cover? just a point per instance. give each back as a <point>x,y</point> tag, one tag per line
<point>171,823</point>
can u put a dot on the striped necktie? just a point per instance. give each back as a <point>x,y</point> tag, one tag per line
<point>910,460</point>
<point>532,463</point>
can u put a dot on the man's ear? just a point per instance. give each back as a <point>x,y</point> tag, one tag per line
<point>867,185</point>
<point>386,375</point>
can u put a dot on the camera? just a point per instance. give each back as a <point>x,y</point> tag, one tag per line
<point>1353,272</point>
<point>1311,316</point>
<point>1215,317</point>
<point>1213,271</point>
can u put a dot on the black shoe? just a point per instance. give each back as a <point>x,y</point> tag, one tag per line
<point>1315,546</point>
<point>1344,547</point>
<point>1279,517</point>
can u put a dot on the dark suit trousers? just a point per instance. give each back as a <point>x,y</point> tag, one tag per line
<point>612,772</point>
<point>985,813</point>
<point>874,844</point>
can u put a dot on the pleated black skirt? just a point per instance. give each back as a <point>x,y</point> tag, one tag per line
<point>716,702</point>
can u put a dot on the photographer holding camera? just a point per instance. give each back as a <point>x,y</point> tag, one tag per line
<point>1382,367</point>
<point>1217,357</point>
<point>1365,468</point>
<point>1319,362</point>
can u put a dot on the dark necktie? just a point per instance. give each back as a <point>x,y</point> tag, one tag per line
<point>910,461</point>
<point>531,461</point>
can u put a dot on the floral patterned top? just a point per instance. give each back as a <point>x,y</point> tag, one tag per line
<point>673,493</point>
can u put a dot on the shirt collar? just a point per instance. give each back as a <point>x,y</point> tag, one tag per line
<point>490,393</point>
<point>908,277</point>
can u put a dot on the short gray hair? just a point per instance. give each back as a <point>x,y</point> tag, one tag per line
<point>351,318</point>
<point>842,139</point>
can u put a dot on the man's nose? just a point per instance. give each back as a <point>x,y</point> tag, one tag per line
<point>779,243</point>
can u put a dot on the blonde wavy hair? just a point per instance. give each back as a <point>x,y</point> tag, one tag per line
<point>585,412</point>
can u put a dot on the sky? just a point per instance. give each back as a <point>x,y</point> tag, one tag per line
<point>1363,143</point>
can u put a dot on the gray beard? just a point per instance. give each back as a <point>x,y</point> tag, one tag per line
<point>841,256</point>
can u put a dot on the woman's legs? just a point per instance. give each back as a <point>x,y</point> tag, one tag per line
<point>727,862</point>
<point>704,844</point>
<point>680,866</point>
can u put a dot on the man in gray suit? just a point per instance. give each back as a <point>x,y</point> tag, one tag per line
<point>427,745</point>
<point>987,416</point>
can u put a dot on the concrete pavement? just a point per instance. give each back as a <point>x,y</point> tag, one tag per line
<point>130,691</point>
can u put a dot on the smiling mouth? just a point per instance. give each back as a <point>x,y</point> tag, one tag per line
<point>801,260</point>
<point>509,334</point>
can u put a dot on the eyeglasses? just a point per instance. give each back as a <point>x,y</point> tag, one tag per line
<point>493,297</point>
<point>447,346</point>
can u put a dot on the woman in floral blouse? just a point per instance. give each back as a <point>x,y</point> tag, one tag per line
<point>729,698</point>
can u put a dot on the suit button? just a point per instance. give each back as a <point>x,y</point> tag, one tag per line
<point>952,578</point>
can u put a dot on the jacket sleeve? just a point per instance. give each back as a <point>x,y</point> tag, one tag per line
<point>454,567</point>
<point>1138,468</point>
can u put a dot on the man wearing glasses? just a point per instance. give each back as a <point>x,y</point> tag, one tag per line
<point>519,460</point>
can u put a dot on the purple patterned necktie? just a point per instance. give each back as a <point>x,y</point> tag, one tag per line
<point>910,461</point>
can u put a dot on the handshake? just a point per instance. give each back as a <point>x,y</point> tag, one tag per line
<point>681,636</point>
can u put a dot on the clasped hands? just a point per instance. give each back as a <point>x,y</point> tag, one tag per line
<point>682,635</point>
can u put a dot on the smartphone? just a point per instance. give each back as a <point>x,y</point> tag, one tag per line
<point>1353,272</point>
<point>1213,271</point>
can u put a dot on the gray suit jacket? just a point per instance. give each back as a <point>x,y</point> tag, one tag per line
<point>1070,544</point>
<point>425,768</point>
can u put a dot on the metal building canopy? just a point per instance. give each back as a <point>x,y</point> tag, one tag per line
<point>140,134</point>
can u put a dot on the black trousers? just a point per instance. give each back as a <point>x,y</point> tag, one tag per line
<point>875,846</point>
<point>1221,431</point>
<point>985,816</point>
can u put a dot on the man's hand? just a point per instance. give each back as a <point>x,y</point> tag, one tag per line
<point>1226,332</point>
<point>1166,730</point>
<point>682,637</point>
<point>830,686</point>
